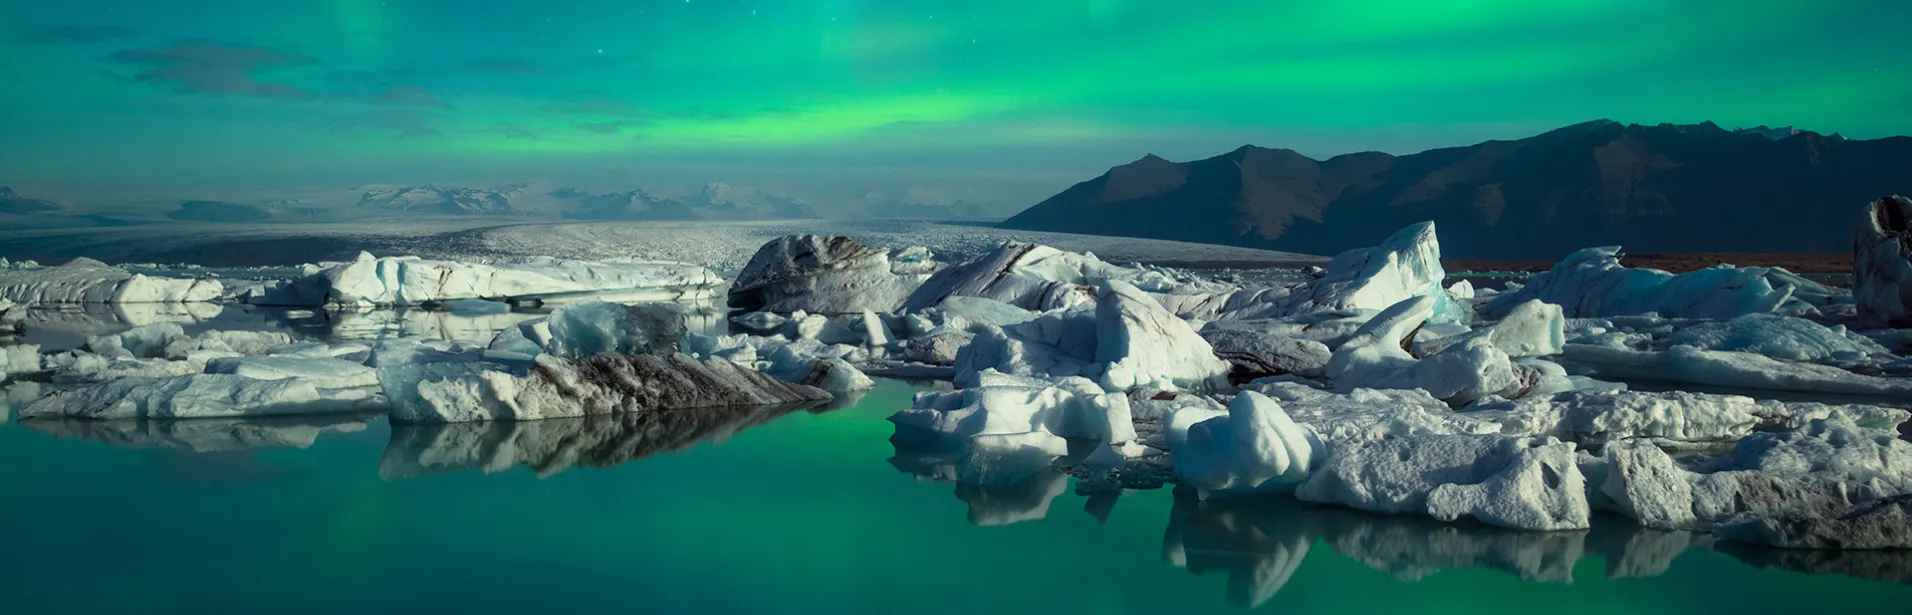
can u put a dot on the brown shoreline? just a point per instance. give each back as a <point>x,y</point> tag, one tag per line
<point>1678,263</point>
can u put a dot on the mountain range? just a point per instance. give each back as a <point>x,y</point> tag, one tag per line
<point>1660,188</point>
<point>11,203</point>
<point>432,199</point>
<point>717,201</point>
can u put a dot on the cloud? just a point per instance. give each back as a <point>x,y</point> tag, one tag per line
<point>57,34</point>
<point>585,103</point>
<point>215,68</point>
<point>706,114</point>
<point>508,131</point>
<point>605,128</point>
<point>404,123</point>
<point>409,95</point>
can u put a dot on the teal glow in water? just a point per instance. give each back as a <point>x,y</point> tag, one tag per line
<point>801,514</point>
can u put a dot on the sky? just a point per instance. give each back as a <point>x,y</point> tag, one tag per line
<point>991,101</point>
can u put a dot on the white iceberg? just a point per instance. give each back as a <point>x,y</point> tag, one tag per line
<point>1881,271</point>
<point>1126,341</point>
<point>1371,414</point>
<point>1471,368</point>
<point>84,280</point>
<point>196,396</point>
<point>820,275</point>
<point>1591,283</point>
<point>1786,338</point>
<point>395,281</point>
<point>1358,281</point>
<point>1005,412</point>
<point>1255,448</point>
<point>19,359</point>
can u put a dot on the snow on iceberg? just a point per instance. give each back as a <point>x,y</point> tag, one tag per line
<point>1591,283</point>
<point>84,280</point>
<point>1520,483</point>
<point>397,281</point>
<point>197,396</point>
<point>1881,271</point>
<point>820,275</point>
<point>1255,448</point>
<point>1127,340</point>
<point>1358,281</point>
<point>558,388</point>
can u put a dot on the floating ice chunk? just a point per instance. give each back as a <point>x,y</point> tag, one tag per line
<point>1592,283</point>
<point>875,333</point>
<point>84,367</point>
<point>324,373</point>
<point>1881,271</point>
<point>84,280</point>
<point>1036,414</point>
<point>1254,449</point>
<point>1055,344</point>
<point>1530,484</point>
<point>196,396</point>
<point>588,328</point>
<point>142,342</point>
<point>1139,344</point>
<point>372,281</point>
<point>820,275</point>
<point>822,329</point>
<point>1883,524</point>
<point>1745,370</point>
<point>913,260</point>
<point>1786,338</point>
<point>19,359</point>
<point>557,388</point>
<point>936,349</point>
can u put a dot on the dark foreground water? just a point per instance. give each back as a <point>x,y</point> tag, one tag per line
<point>802,513</point>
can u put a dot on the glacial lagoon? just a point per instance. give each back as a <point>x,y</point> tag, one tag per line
<point>797,511</point>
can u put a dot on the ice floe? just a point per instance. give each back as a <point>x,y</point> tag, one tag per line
<point>84,280</point>
<point>555,387</point>
<point>1593,283</point>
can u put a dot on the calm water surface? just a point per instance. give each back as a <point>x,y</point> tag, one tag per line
<point>803,512</point>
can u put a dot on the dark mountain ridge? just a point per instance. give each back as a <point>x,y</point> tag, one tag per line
<point>1664,188</point>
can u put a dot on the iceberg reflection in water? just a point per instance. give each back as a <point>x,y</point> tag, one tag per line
<point>204,435</point>
<point>550,446</point>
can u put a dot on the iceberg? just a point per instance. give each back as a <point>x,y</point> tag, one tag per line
<point>1593,417</point>
<point>1881,271</point>
<point>1787,338</point>
<point>1040,278</point>
<point>1519,483</point>
<point>1125,341</point>
<point>589,328</point>
<point>411,281</point>
<point>1257,354</point>
<point>1405,266</point>
<point>84,280</point>
<point>1591,283</point>
<point>1006,412</point>
<point>555,387</point>
<point>819,275</point>
<point>1474,367</point>
<point>197,396</point>
<point>1371,414</point>
<point>19,359</point>
<point>1255,448</point>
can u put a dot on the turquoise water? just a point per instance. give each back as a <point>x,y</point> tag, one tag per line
<point>802,513</point>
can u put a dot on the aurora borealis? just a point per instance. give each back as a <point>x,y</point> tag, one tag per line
<point>994,100</point>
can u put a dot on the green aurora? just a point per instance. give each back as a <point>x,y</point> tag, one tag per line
<point>1009,98</point>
